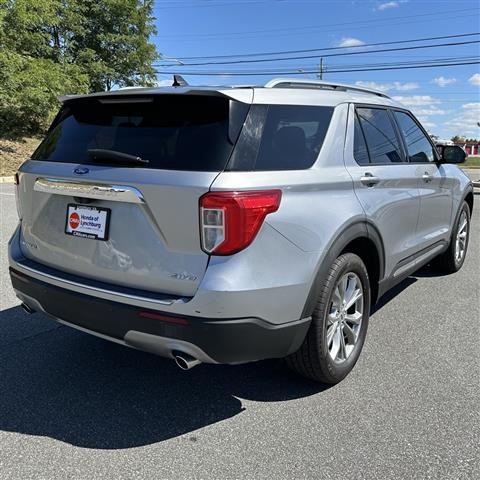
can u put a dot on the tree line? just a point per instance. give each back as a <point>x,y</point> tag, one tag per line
<point>55,47</point>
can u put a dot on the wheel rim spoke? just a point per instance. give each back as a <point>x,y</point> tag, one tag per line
<point>350,288</point>
<point>330,333</point>
<point>337,297</point>
<point>354,318</point>
<point>357,295</point>
<point>349,333</point>
<point>343,350</point>
<point>335,343</point>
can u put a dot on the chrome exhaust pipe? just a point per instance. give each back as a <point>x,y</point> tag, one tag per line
<point>185,361</point>
<point>27,309</point>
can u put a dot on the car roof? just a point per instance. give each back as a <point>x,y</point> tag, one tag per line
<point>277,91</point>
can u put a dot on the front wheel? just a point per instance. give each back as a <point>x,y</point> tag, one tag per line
<point>339,323</point>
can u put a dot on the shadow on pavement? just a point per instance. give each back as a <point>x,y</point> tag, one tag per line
<point>67,385</point>
<point>392,293</point>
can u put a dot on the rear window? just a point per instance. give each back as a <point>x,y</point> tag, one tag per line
<point>281,137</point>
<point>173,132</point>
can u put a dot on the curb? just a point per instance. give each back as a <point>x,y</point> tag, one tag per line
<point>6,180</point>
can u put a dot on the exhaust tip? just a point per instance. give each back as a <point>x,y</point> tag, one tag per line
<point>185,361</point>
<point>27,309</point>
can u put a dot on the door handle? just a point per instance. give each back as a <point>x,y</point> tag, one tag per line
<point>427,177</point>
<point>369,180</point>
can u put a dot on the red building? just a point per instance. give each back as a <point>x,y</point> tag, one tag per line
<point>471,148</point>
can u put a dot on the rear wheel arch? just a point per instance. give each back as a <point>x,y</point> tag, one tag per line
<point>367,250</point>
<point>361,239</point>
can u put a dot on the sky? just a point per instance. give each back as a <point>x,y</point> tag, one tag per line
<point>445,99</point>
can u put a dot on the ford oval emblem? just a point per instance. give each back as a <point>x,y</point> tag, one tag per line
<point>81,171</point>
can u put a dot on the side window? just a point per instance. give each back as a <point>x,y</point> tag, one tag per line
<point>360,152</point>
<point>292,137</point>
<point>380,136</point>
<point>419,147</point>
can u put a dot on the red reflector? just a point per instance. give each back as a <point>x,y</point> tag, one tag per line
<point>230,221</point>
<point>164,318</point>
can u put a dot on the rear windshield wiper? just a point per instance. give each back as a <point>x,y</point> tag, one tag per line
<point>99,154</point>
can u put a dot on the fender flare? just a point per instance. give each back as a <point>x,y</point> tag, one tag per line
<point>357,230</point>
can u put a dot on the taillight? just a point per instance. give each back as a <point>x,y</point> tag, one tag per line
<point>229,221</point>
<point>16,181</point>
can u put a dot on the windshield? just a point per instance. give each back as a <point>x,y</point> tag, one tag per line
<point>174,132</point>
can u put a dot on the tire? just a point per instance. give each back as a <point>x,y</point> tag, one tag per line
<point>450,261</point>
<point>316,358</point>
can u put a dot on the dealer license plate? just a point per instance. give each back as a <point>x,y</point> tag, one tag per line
<point>87,222</point>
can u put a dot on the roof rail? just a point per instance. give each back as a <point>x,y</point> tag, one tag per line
<point>320,84</point>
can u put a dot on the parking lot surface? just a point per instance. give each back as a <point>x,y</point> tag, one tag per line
<point>75,406</point>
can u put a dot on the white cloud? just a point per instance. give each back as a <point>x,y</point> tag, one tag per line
<point>385,87</point>
<point>416,100</point>
<point>465,122</point>
<point>165,83</point>
<point>429,111</point>
<point>443,82</point>
<point>475,79</point>
<point>387,6</point>
<point>475,106</point>
<point>404,87</point>
<point>350,42</point>
<point>426,123</point>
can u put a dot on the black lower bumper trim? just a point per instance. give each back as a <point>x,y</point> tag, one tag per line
<point>224,341</point>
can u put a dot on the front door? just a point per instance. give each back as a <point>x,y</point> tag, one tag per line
<point>434,185</point>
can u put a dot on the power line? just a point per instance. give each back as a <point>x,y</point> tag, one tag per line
<point>326,49</point>
<point>303,72</point>
<point>302,57</point>
<point>333,67</point>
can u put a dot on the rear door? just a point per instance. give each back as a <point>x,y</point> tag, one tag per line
<point>435,187</point>
<point>384,182</point>
<point>129,217</point>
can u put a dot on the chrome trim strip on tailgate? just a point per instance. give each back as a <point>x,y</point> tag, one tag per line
<point>115,193</point>
<point>62,282</point>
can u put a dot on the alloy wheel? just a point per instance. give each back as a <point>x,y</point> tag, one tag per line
<point>461,239</point>
<point>344,319</point>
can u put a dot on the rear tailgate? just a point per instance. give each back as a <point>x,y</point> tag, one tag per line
<point>147,215</point>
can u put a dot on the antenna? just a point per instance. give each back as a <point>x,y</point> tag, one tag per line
<point>179,81</point>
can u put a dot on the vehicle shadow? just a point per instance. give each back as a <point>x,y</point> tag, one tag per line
<point>426,271</point>
<point>392,293</point>
<point>67,385</point>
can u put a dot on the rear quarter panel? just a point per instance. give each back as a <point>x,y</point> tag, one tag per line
<point>317,205</point>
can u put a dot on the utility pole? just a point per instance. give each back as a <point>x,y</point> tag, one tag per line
<point>321,68</point>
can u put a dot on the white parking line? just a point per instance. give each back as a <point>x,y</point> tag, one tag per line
<point>8,194</point>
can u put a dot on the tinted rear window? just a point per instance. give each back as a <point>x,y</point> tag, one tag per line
<point>281,137</point>
<point>174,132</point>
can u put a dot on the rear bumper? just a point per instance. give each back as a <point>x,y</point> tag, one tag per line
<point>216,340</point>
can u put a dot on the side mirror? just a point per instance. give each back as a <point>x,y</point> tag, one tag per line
<point>452,154</point>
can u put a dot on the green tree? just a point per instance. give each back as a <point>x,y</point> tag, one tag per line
<point>54,47</point>
<point>112,44</point>
<point>29,88</point>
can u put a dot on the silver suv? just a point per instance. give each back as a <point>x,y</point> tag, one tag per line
<point>228,225</point>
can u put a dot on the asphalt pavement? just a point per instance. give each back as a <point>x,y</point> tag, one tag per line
<point>73,406</point>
